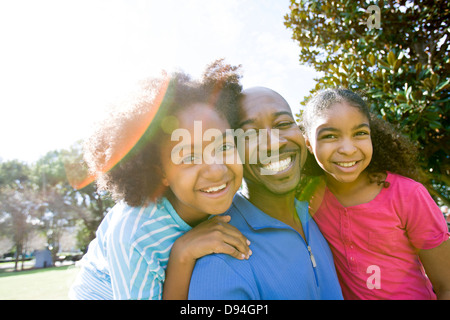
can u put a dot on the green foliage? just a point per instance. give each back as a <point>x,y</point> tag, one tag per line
<point>14,174</point>
<point>39,196</point>
<point>402,68</point>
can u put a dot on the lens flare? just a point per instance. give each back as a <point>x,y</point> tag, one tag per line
<point>78,175</point>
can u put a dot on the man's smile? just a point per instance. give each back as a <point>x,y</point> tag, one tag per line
<point>279,165</point>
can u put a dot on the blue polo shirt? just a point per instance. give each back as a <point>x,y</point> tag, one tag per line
<point>280,268</point>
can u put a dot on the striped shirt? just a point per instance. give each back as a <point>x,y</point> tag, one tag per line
<point>128,257</point>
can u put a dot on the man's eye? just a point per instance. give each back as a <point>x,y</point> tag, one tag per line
<point>284,124</point>
<point>226,147</point>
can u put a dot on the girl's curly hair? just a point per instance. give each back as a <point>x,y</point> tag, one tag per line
<point>133,173</point>
<point>392,151</point>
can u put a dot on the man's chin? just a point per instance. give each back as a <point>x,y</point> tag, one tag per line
<point>274,186</point>
<point>281,189</point>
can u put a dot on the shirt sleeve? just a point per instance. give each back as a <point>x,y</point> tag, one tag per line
<point>214,279</point>
<point>134,276</point>
<point>425,223</point>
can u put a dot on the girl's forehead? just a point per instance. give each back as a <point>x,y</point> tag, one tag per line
<point>203,114</point>
<point>196,126</point>
<point>339,114</point>
<point>337,109</point>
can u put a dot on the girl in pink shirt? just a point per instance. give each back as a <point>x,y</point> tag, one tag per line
<point>388,236</point>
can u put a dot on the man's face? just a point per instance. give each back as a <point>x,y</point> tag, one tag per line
<point>262,108</point>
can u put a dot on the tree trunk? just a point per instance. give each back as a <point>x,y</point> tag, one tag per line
<point>18,253</point>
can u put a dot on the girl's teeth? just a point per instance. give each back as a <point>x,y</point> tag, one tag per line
<point>279,165</point>
<point>346,164</point>
<point>215,189</point>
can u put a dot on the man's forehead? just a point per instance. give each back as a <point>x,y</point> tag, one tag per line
<point>259,92</point>
<point>263,100</point>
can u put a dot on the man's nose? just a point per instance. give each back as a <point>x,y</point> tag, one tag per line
<point>270,141</point>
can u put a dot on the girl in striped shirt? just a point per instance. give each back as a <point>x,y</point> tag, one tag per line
<point>167,183</point>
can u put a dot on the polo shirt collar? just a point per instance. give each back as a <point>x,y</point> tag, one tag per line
<point>257,219</point>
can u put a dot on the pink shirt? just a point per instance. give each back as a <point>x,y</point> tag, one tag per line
<point>375,244</point>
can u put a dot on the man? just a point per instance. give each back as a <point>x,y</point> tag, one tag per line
<point>291,259</point>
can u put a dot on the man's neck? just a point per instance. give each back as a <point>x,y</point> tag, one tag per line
<point>278,206</point>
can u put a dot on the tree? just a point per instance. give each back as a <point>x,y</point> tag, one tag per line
<point>19,205</point>
<point>65,205</point>
<point>58,207</point>
<point>40,197</point>
<point>90,212</point>
<point>14,174</point>
<point>92,205</point>
<point>397,54</point>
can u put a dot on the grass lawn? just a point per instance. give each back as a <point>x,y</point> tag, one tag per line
<point>37,284</point>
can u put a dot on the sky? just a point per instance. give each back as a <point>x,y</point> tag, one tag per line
<point>62,63</point>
